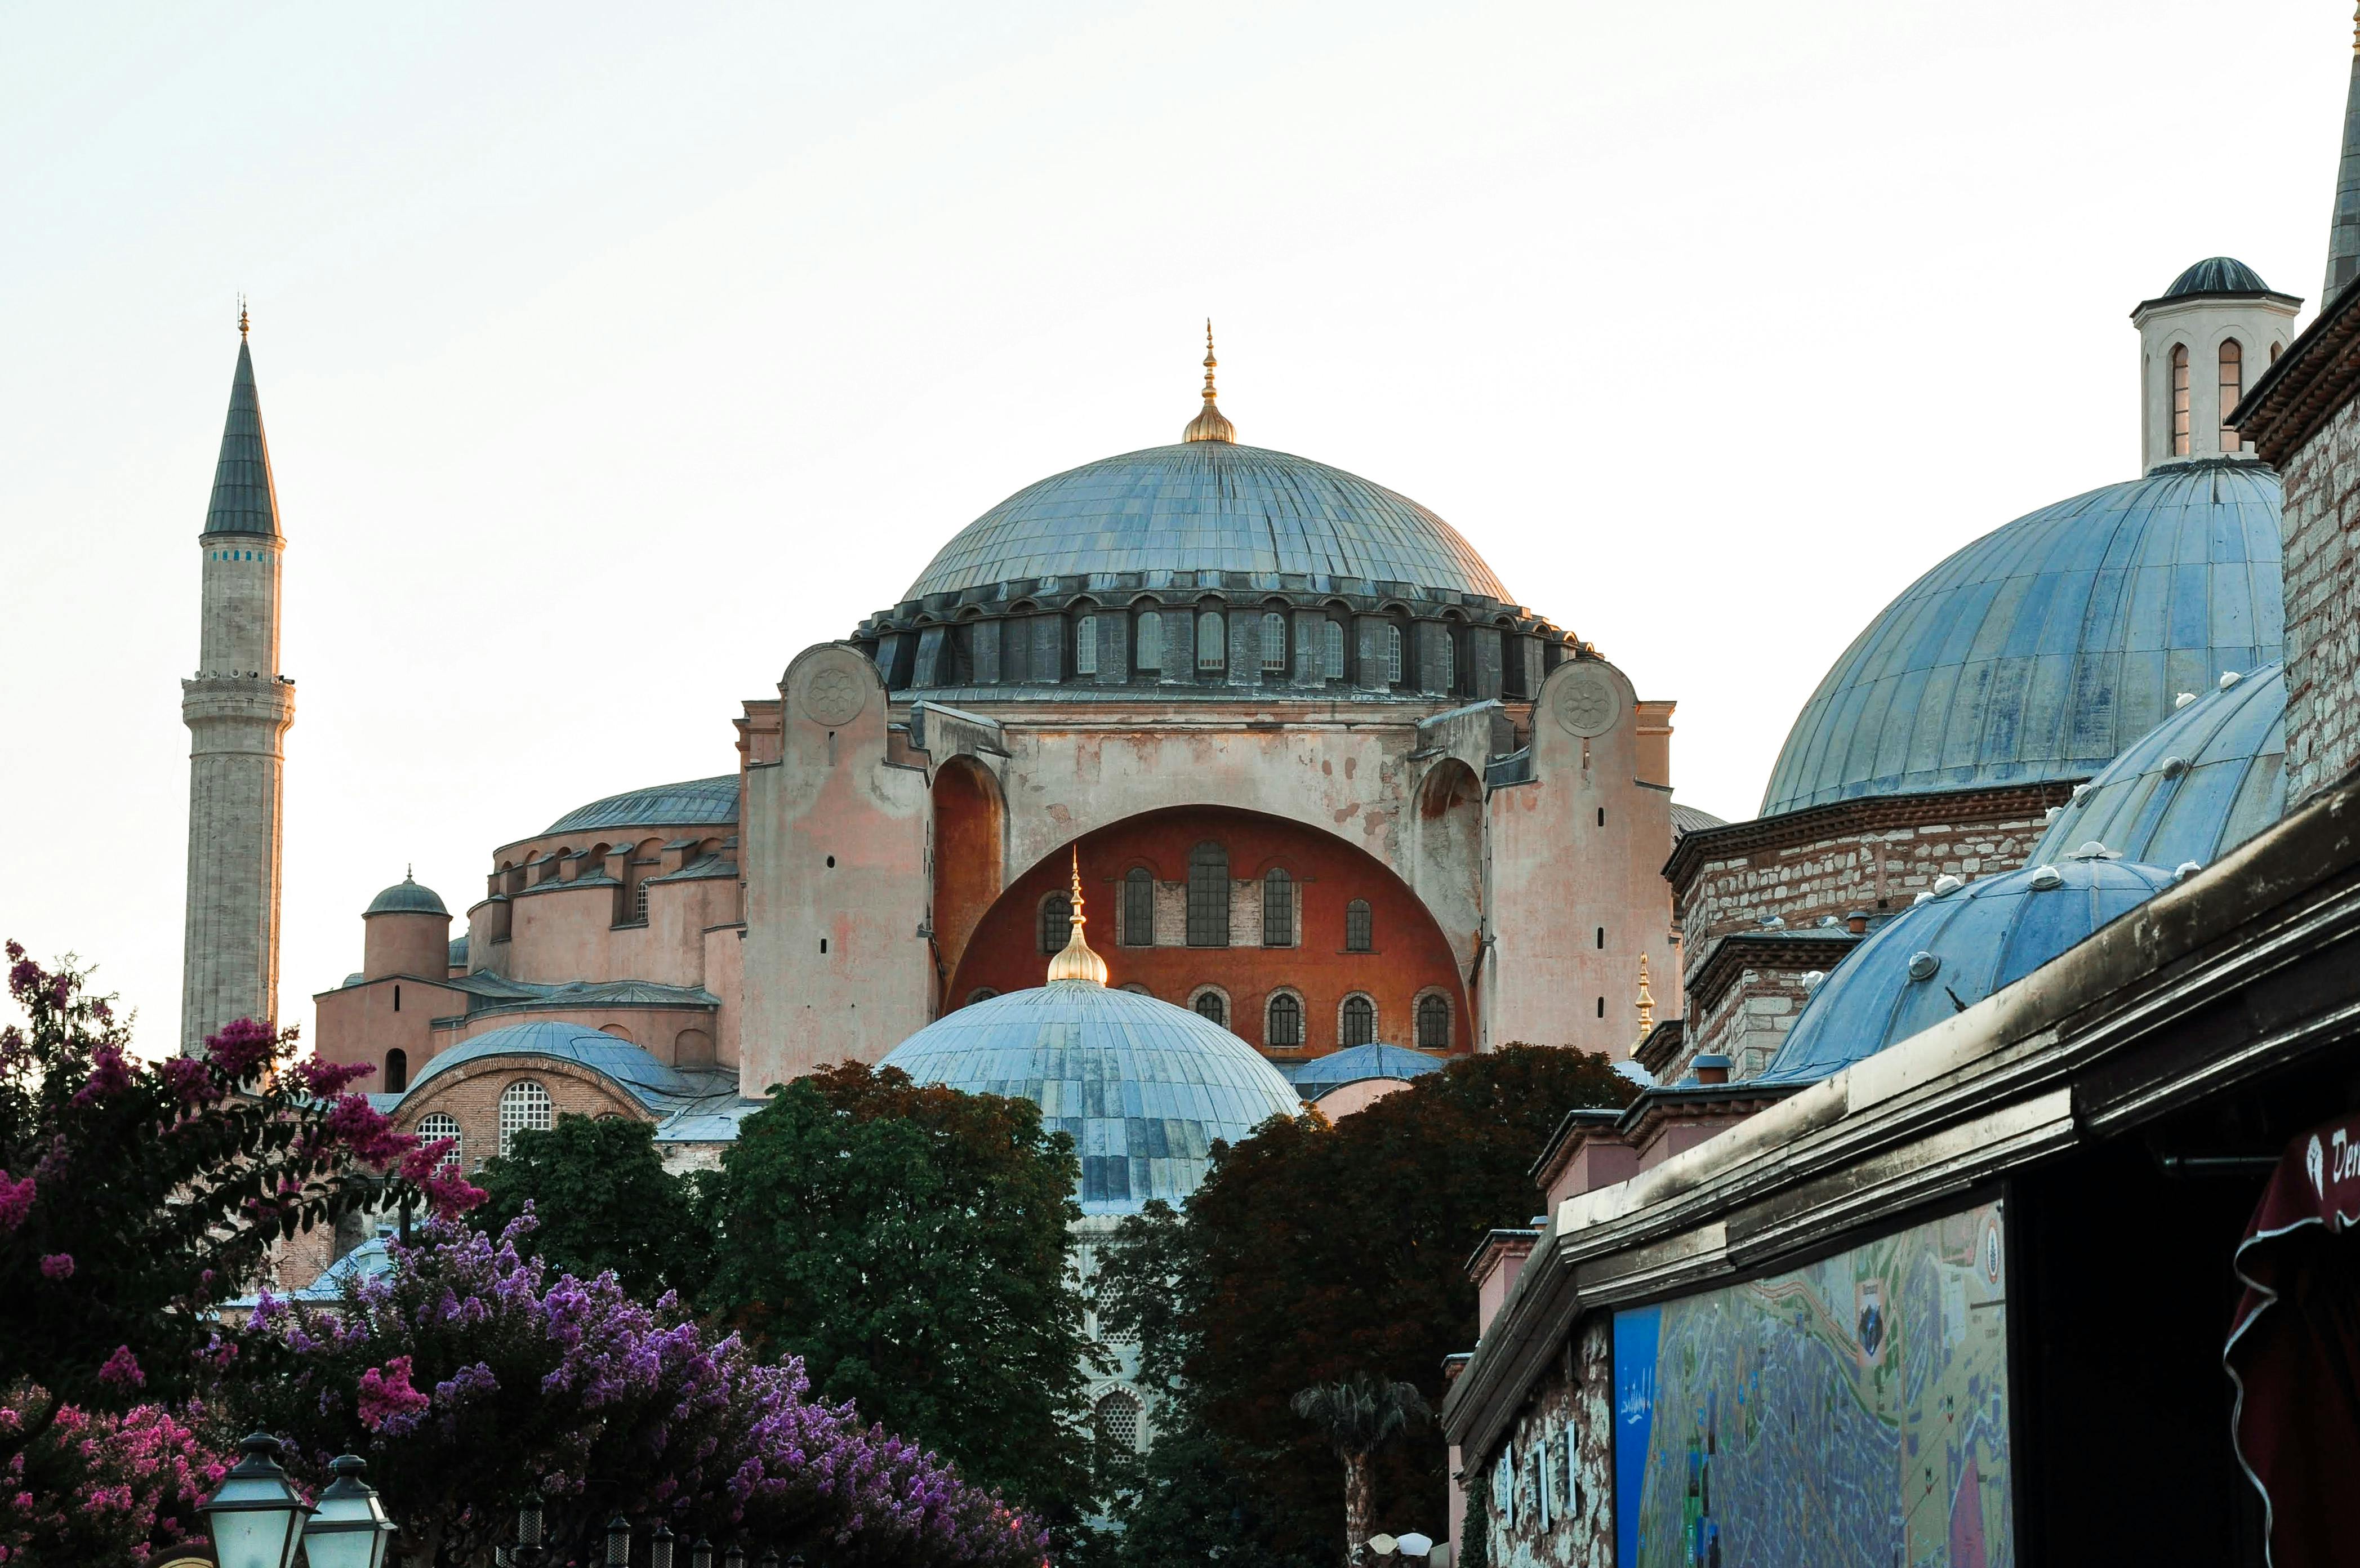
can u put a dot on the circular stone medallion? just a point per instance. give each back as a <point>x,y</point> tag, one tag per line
<point>833,695</point>
<point>1588,704</point>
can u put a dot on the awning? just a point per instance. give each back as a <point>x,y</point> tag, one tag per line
<point>2294,1351</point>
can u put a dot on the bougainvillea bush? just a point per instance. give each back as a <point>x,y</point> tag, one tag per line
<point>470,1374</point>
<point>97,1491</point>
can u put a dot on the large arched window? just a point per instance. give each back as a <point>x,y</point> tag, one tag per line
<point>1213,1006</point>
<point>2232,388</point>
<point>1449,659</point>
<point>1359,928</point>
<point>1057,922</point>
<point>1277,909</point>
<point>433,1128</point>
<point>1139,907</point>
<point>2180,401</point>
<point>1359,1021</point>
<point>1393,655</point>
<point>1116,1419</point>
<point>1150,639</point>
<point>525,1107</point>
<point>1211,641</point>
<point>397,1070</point>
<point>1284,1029</point>
<point>1209,896</point>
<point>1433,1023</point>
<point>1331,645</point>
<point>1274,641</point>
<point>1086,646</point>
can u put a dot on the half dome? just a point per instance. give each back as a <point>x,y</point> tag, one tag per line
<point>1141,1086</point>
<point>1940,956</point>
<point>2046,647</point>
<point>1210,505</point>
<point>2204,780</point>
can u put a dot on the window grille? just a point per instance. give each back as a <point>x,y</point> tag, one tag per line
<point>1057,922</point>
<point>1359,1021</point>
<point>1151,640</point>
<point>1086,646</point>
<point>2233,387</point>
<point>1139,907</point>
<point>1212,641</point>
<point>1117,1418</point>
<point>1359,928</point>
<point>1286,1028</point>
<point>640,900</point>
<point>1331,644</point>
<point>1504,1486</point>
<point>1434,1023</point>
<point>1393,655</point>
<point>524,1108</point>
<point>1209,1004</point>
<point>2180,401</point>
<point>1274,641</point>
<point>1541,1482</point>
<point>1209,896</point>
<point>1449,659</point>
<point>433,1128</point>
<point>1277,909</point>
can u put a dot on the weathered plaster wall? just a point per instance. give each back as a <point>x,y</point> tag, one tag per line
<point>361,1023</point>
<point>1548,1489</point>
<point>2321,533</point>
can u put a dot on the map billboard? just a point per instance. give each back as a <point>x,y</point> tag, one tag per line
<point>1852,1413</point>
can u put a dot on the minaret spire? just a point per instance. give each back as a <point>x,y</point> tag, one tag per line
<point>2343,228</point>
<point>1075,961</point>
<point>1210,424</point>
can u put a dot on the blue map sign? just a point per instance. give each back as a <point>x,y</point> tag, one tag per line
<point>1852,1412</point>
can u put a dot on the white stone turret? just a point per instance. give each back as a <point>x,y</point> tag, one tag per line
<point>237,709</point>
<point>2202,345</point>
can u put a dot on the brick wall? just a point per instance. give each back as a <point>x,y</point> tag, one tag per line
<point>2323,605</point>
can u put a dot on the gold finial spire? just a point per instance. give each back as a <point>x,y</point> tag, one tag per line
<point>1210,424</point>
<point>240,318</point>
<point>1646,1005</point>
<point>1075,961</point>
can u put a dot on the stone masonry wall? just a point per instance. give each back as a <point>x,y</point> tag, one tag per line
<point>2323,605</point>
<point>1746,1023</point>
<point>1549,1488</point>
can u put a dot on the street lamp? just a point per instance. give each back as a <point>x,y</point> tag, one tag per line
<point>770,1557</point>
<point>701,1554</point>
<point>256,1516</point>
<point>348,1528</point>
<point>528,1553</point>
<point>736,1557</point>
<point>618,1542</point>
<point>659,1547</point>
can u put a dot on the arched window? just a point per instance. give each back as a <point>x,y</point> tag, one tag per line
<point>1393,655</point>
<point>1211,641</point>
<point>1359,1021</point>
<point>1209,896</point>
<point>2232,388</point>
<point>1151,640</point>
<point>1433,1023</point>
<point>433,1128</point>
<point>524,1108</point>
<point>1284,1032</point>
<point>1277,909</point>
<point>1139,907</point>
<point>397,1070</point>
<point>1359,929</point>
<point>980,994</point>
<point>1057,922</point>
<point>1449,660</point>
<point>1116,1419</point>
<point>1210,1005</point>
<point>1331,644</point>
<point>1273,640</point>
<point>2180,401</point>
<point>1086,646</point>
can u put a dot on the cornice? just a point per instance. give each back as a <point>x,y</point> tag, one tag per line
<point>1870,813</point>
<point>1727,957</point>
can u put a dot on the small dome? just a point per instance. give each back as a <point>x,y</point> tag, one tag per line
<point>1356,1063</point>
<point>1938,957</point>
<point>2046,647</point>
<point>407,897</point>
<point>2204,780</point>
<point>2217,275</point>
<point>627,1065</point>
<point>696,801</point>
<point>1143,1087</point>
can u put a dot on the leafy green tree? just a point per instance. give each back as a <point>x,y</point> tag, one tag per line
<point>603,1200</point>
<point>912,1245</point>
<point>1313,1251</point>
<point>1357,1416</point>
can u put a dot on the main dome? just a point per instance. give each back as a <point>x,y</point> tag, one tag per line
<point>2046,647</point>
<point>1209,505</point>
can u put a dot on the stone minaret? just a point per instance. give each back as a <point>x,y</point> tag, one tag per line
<point>237,709</point>
<point>2344,223</point>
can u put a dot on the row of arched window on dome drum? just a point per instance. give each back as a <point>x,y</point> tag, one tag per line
<point>1282,1022</point>
<point>1207,921</point>
<point>2232,367</point>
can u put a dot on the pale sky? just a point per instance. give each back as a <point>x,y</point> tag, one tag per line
<point>611,355</point>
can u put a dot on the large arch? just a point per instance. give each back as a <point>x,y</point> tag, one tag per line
<point>1411,954</point>
<point>1449,858</point>
<point>970,829</point>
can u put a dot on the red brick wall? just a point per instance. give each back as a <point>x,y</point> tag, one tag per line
<point>1411,954</point>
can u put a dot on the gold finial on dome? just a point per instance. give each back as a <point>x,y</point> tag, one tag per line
<point>241,316</point>
<point>1646,1008</point>
<point>1075,961</point>
<point>1210,424</point>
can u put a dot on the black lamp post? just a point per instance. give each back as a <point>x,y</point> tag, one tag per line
<point>701,1554</point>
<point>618,1542</point>
<point>770,1557</point>
<point>736,1557</point>
<point>659,1547</point>
<point>256,1516</point>
<point>529,1552</point>
<point>348,1528</point>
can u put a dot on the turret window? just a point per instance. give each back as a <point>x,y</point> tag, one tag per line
<point>1211,641</point>
<point>2180,401</point>
<point>1209,896</point>
<point>1274,641</point>
<point>1086,646</point>
<point>1151,640</point>
<point>1359,1021</point>
<point>397,1070</point>
<point>1331,642</point>
<point>1393,655</point>
<point>2232,388</point>
<point>1139,907</point>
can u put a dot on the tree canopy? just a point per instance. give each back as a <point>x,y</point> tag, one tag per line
<point>601,1199</point>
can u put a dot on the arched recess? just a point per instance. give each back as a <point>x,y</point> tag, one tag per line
<point>970,817</point>
<point>1449,855</point>
<point>1411,954</point>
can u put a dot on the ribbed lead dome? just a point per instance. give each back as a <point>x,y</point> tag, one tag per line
<point>2217,275</point>
<point>1209,505</point>
<point>2042,649</point>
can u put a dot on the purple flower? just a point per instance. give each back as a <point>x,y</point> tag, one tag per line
<point>57,1266</point>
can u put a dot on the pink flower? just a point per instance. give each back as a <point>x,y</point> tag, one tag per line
<point>187,1078</point>
<point>122,1369</point>
<point>241,1048</point>
<point>387,1396</point>
<point>15,1201</point>
<point>58,1265</point>
<point>327,1079</point>
<point>110,1074</point>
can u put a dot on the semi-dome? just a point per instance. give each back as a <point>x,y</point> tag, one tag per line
<point>1949,951</point>
<point>2217,275</point>
<point>1359,1064</point>
<point>2204,780</point>
<point>407,897</point>
<point>629,1066</point>
<point>691,803</point>
<point>2046,647</point>
<point>1208,505</point>
<point>1143,1087</point>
